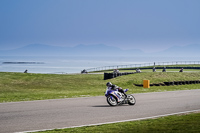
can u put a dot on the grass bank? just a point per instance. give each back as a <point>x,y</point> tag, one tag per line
<point>27,86</point>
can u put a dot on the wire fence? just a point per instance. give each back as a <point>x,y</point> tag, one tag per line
<point>142,65</point>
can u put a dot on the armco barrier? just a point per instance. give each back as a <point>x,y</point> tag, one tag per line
<point>113,75</point>
<point>158,65</point>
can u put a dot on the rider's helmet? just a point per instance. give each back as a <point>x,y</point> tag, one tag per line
<point>108,84</point>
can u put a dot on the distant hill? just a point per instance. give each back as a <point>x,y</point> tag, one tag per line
<point>98,50</point>
<point>86,50</point>
<point>178,51</point>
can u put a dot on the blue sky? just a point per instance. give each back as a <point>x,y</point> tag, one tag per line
<point>149,25</point>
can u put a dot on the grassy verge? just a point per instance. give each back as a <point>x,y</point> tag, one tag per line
<point>188,123</point>
<point>26,87</point>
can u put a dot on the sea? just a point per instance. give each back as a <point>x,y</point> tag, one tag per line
<point>75,64</point>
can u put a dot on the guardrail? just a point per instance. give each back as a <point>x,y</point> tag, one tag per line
<point>142,65</point>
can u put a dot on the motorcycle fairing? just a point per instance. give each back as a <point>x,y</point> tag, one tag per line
<point>116,94</point>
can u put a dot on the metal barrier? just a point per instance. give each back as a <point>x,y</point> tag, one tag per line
<point>142,65</point>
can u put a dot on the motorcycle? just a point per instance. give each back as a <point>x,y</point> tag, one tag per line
<point>115,98</point>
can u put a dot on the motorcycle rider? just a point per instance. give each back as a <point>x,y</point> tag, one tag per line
<point>114,87</point>
<point>164,69</point>
<point>154,69</point>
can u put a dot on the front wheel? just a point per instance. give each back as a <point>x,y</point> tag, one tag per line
<point>131,100</point>
<point>112,101</point>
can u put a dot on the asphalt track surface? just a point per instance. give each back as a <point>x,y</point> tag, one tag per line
<point>72,112</point>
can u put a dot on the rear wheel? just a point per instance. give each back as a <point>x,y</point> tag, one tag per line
<point>112,101</point>
<point>131,100</point>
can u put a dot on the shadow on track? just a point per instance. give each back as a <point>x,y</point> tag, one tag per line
<point>102,106</point>
<point>109,106</point>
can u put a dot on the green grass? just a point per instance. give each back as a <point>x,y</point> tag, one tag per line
<point>26,87</point>
<point>189,123</point>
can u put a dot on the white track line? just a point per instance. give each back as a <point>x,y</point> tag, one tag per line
<point>137,119</point>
